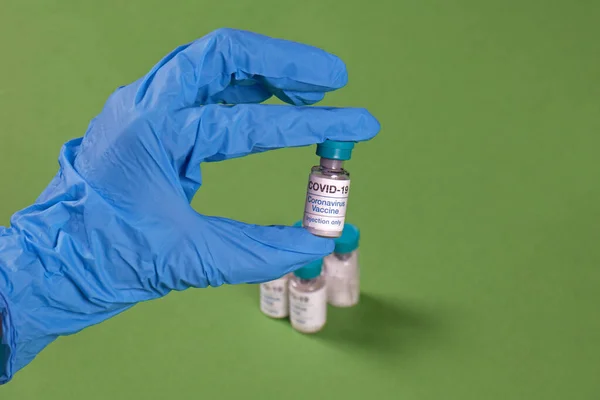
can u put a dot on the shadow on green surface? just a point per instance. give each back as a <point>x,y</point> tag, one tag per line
<point>384,327</point>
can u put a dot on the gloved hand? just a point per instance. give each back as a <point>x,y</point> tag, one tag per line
<point>115,226</point>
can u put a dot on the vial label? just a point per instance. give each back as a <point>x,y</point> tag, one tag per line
<point>274,298</point>
<point>343,288</point>
<point>308,310</point>
<point>326,202</point>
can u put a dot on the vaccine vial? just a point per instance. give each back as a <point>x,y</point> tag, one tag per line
<point>274,298</point>
<point>308,298</point>
<point>328,189</point>
<point>342,271</point>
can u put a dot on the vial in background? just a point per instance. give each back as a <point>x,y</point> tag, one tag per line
<point>327,192</point>
<point>342,269</point>
<point>308,298</point>
<point>274,297</point>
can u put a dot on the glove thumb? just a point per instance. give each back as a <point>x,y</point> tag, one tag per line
<point>224,251</point>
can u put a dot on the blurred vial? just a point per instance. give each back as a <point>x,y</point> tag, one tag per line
<point>342,269</point>
<point>274,297</point>
<point>327,192</point>
<point>308,298</point>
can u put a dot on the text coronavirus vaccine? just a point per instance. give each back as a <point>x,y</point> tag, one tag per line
<point>328,190</point>
<point>274,299</point>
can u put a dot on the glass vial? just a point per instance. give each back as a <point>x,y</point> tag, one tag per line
<point>308,298</point>
<point>328,189</point>
<point>274,298</point>
<point>342,269</point>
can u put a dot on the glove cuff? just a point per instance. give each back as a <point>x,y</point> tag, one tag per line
<point>7,343</point>
<point>8,243</point>
<point>16,268</point>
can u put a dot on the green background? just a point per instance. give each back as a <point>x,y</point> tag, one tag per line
<point>481,248</point>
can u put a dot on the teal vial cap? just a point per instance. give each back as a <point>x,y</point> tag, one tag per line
<point>298,223</point>
<point>310,271</point>
<point>348,242</point>
<point>335,150</point>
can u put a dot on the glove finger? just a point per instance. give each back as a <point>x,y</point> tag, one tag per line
<point>299,98</point>
<point>221,132</point>
<point>251,91</point>
<point>246,91</point>
<point>223,251</point>
<point>198,73</point>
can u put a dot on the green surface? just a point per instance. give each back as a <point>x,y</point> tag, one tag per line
<point>480,224</point>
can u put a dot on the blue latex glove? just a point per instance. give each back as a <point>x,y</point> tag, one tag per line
<point>115,226</point>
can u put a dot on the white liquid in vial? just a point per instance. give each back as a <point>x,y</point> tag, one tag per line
<point>274,298</point>
<point>308,310</point>
<point>343,279</point>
